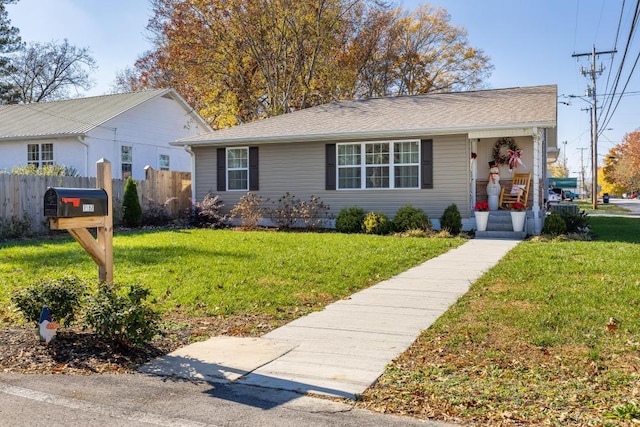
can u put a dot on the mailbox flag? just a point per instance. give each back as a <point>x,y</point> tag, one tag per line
<point>73,200</point>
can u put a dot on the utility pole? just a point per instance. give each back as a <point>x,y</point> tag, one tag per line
<point>594,120</point>
<point>564,163</point>
<point>582,186</point>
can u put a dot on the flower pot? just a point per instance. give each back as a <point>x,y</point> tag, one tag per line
<point>482,217</point>
<point>517,220</point>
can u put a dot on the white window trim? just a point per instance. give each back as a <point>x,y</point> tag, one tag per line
<point>123,162</point>
<point>228,169</point>
<point>40,163</point>
<point>391,165</point>
<point>160,166</point>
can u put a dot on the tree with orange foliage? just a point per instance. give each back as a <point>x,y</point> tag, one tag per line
<point>237,61</point>
<point>622,164</point>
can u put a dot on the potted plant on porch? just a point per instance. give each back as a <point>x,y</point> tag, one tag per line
<point>482,215</point>
<point>518,215</point>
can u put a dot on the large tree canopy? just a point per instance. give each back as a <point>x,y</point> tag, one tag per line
<point>240,60</point>
<point>9,42</point>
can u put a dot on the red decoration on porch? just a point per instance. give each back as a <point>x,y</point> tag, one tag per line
<point>514,159</point>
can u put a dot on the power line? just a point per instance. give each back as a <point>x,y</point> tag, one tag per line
<point>609,112</point>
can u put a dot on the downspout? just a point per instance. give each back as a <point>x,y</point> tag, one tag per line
<point>86,154</point>
<point>187,148</point>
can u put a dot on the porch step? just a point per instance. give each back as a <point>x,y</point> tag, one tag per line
<point>499,227</point>
<point>501,235</point>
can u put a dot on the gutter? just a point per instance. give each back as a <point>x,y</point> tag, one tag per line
<point>356,136</point>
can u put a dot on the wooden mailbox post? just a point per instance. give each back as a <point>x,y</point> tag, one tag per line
<point>101,250</point>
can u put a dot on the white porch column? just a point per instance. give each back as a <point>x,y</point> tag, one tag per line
<point>538,162</point>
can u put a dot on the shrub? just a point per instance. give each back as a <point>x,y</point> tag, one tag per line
<point>249,210</point>
<point>45,170</point>
<point>62,296</point>
<point>350,220</point>
<point>288,210</point>
<point>285,213</point>
<point>376,223</point>
<point>410,218</point>
<point>131,210</point>
<point>576,223</point>
<point>313,212</point>
<point>124,319</point>
<point>156,213</point>
<point>208,212</point>
<point>554,224</point>
<point>451,220</point>
<point>15,227</point>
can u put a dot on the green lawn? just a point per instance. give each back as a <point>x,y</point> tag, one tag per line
<point>225,272</point>
<point>533,340</point>
<point>587,206</point>
<point>551,335</point>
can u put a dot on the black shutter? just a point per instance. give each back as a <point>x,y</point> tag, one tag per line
<point>330,167</point>
<point>221,155</point>
<point>426,164</point>
<point>253,169</point>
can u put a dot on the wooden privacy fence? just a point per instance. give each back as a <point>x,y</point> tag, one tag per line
<point>22,196</point>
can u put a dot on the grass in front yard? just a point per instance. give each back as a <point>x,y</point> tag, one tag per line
<point>587,206</point>
<point>225,272</point>
<point>550,335</point>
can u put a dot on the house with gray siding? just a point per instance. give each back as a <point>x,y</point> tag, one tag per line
<point>381,154</point>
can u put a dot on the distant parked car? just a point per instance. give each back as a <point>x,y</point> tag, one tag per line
<point>554,195</point>
<point>569,195</point>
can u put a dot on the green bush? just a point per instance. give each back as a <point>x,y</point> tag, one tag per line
<point>410,218</point>
<point>451,220</point>
<point>131,210</point>
<point>62,296</point>
<point>576,223</point>
<point>376,223</point>
<point>124,319</point>
<point>350,220</point>
<point>554,224</point>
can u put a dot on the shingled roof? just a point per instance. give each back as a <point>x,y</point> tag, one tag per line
<point>396,117</point>
<point>73,117</point>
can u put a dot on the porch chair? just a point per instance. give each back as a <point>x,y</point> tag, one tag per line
<point>518,192</point>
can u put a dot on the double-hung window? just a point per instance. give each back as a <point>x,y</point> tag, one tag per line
<point>371,165</point>
<point>163,162</point>
<point>238,168</point>
<point>40,154</point>
<point>126,159</point>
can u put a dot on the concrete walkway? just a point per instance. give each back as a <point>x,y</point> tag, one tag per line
<point>343,349</point>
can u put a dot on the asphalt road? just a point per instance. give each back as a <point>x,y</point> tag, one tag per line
<point>141,400</point>
<point>632,204</point>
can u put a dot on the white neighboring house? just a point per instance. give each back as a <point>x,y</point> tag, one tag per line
<point>131,130</point>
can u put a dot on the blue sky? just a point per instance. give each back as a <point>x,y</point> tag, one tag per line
<point>529,43</point>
